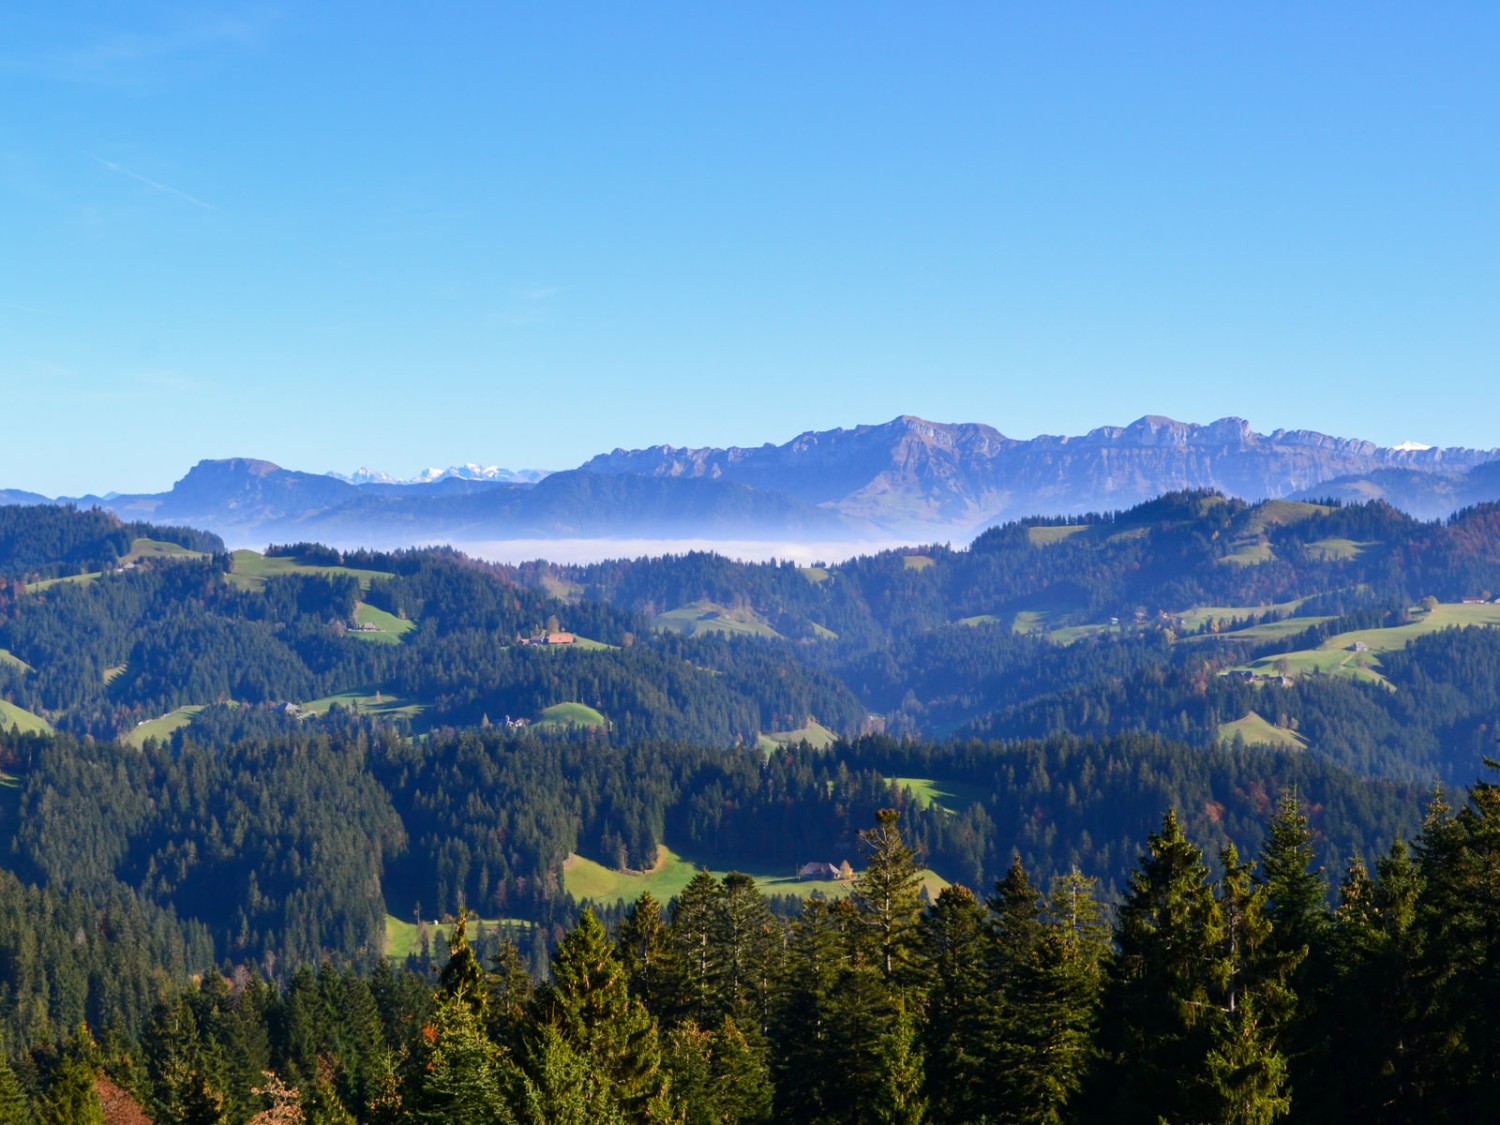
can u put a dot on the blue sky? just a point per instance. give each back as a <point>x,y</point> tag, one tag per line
<point>399,236</point>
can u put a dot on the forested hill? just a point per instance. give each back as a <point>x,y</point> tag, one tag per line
<point>1356,633</point>
<point>286,766</point>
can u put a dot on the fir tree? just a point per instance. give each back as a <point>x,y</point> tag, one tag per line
<point>644,949</point>
<point>885,893</point>
<point>590,1007</point>
<point>1157,1026</point>
<point>1459,918</point>
<point>900,1099</point>
<point>954,948</point>
<point>462,978</point>
<point>13,1105</point>
<point>456,1073</point>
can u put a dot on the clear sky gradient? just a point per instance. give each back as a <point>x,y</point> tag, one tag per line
<point>391,235</point>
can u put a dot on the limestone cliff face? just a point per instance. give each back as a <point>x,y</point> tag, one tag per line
<point>910,473</point>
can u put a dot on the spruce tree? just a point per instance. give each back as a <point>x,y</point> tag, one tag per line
<point>1247,1074</point>
<point>900,1098</point>
<point>695,960</point>
<point>1157,1022</point>
<point>456,1073</point>
<point>462,977</point>
<point>508,991</point>
<point>885,893</point>
<point>954,948</point>
<point>14,1109</point>
<point>589,1005</point>
<point>1459,919</point>
<point>1297,907</point>
<point>642,946</point>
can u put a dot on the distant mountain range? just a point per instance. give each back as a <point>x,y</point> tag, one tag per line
<point>906,478</point>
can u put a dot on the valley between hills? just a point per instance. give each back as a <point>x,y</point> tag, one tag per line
<point>273,759</point>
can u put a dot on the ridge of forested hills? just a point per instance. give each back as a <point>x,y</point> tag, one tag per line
<point>1214,609</point>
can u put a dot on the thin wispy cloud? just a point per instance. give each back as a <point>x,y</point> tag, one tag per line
<point>124,171</point>
<point>21,308</point>
<point>132,58</point>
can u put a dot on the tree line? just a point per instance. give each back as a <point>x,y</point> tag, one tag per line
<point>1230,990</point>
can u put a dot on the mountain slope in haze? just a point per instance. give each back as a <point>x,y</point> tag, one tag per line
<point>910,473</point>
<point>907,478</point>
<point>1426,495</point>
<point>243,498</point>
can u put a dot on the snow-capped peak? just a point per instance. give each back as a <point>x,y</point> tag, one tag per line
<point>1410,447</point>
<point>469,471</point>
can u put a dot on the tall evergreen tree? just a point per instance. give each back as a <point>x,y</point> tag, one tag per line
<point>456,1073</point>
<point>1157,1023</point>
<point>900,1099</point>
<point>1247,1072</point>
<point>954,949</point>
<point>885,893</point>
<point>462,977</point>
<point>589,1005</point>
<point>695,959</point>
<point>643,947</point>
<point>1459,917</point>
<point>14,1109</point>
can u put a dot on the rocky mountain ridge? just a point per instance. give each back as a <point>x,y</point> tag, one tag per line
<point>908,478</point>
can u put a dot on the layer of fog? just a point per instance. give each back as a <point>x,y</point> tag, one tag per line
<point>597,550</point>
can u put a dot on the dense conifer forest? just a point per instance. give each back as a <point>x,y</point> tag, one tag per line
<point>1180,813</point>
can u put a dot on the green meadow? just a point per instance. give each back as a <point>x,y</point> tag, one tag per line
<point>1047,536</point>
<point>13,716</point>
<point>570,715</point>
<point>815,734</point>
<point>161,728</point>
<point>585,879</point>
<point>372,700</point>
<point>251,569</point>
<point>383,627</point>
<point>1337,656</point>
<point>402,939</point>
<point>709,617</point>
<point>950,796</point>
<point>10,658</point>
<point>1256,731</point>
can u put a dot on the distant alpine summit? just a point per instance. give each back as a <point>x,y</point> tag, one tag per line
<point>907,478</point>
<point>469,471</point>
<point>910,474</point>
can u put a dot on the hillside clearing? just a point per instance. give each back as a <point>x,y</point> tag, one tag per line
<point>1047,536</point>
<point>1254,730</point>
<point>251,569</point>
<point>159,549</point>
<point>586,879</point>
<point>569,714</point>
<point>161,728</point>
<point>402,939</point>
<point>815,734</point>
<point>950,796</point>
<point>1337,550</point>
<point>710,617</point>
<point>1200,615</point>
<point>1355,654</point>
<point>379,626</point>
<point>366,700</point>
<point>13,716</point>
<point>14,661</point>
